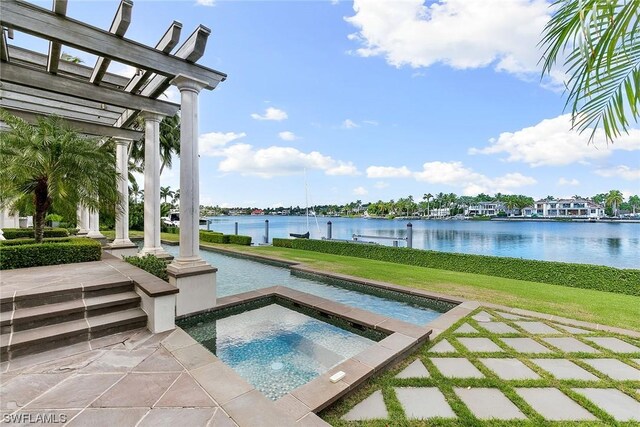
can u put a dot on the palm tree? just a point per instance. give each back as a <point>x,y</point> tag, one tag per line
<point>603,61</point>
<point>427,197</point>
<point>634,201</point>
<point>50,164</point>
<point>166,192</point>
<point>614,199</point>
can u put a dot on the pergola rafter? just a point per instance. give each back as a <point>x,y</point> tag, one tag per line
<point>96,102</point>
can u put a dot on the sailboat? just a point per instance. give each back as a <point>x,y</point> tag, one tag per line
<point>306,199</point>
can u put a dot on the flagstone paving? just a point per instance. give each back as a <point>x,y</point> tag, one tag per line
<point>370,408</point>
<point>550,373</point>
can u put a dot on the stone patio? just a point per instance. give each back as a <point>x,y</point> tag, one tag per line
<point>537,377</point>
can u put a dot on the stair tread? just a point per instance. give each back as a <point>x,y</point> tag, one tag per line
<point>104,321</point>
<point>61,308</point>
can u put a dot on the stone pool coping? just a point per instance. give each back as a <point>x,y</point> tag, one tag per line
<point>319,393</point>
<point>440,324</point>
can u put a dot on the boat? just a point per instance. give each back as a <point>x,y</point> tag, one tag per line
<point>300,236</point>
<point>173,219</point>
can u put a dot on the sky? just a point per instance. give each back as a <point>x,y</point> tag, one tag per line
<point>376,100</point>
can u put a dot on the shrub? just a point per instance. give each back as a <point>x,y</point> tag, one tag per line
<point>151,264</point>
<point>240,240</point>
<point>216,237</point>
<point>601,278</point>
<point>26,253</point>
<point>20,233</point>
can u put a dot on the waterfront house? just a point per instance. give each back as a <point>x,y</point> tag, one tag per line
<point>485,209</point>
<point>565,208</point>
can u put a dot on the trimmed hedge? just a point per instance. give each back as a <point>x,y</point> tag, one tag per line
<point>216,237</point>
<point>586,276</point>
<point>27,253</point>
<point>20,233</point>
<point>151,264</point>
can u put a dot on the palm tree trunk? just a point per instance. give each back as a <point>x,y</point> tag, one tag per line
<point>42,203</point>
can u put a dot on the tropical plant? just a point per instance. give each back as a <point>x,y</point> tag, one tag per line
<point>614,199</point>
<point>634,201</point>
<point>169,143</point>
<point>166,192</point>
<point>603,63</point>
<point>52,166</point>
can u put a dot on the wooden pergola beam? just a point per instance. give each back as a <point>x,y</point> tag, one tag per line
<point>55,49</point>
<point>192,48</point>
<point>119,27</point>
<point>26,76</point>
<point>42,23</point>
<point>166,44</point>
<point>4,46</point>
<point>31,58</point>
<point>84,127</point>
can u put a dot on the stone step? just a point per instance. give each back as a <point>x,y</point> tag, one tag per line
<point>61,334</point>
<point>43,315</point>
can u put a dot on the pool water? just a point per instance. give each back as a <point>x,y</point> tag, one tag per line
<point>274,348</point>
<point>236,275</point>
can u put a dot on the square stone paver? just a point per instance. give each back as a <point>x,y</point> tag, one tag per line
<point>415,370</point>
<point>614,344</point>
<point>526,345</point>
<point>573,329</point>
<point>456,367</point>
<point>371,408</point>
<point>510,316</point>
<point>423,403</point>
<point>614,369</point>
<point>614,402</point>
<point>554,405</point>
<point>480,345</point>
<point>498,328</point>
<point>466,329</point>
<point>489,403</point>
<point>185,392</point>
<point>564,369</point>
<point>107,417</point>
<point>537,328</point>
<point>22,390</point>
<point>570,345</point>
<point>118,361</point>
<point>510,369</point>
<point>483,316</point>
<point>442,347</point>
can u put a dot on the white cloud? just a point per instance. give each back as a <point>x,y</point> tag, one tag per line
<point>205,2</point>
<point>381,185</point>
<point>278,161</point>
<point>388,172</point>
<point>552,143</point>
<point>271,113</point>
<point>211,144</point>
<point>287,136</point>
<point>459,33</point>
<point>172,94</point>
<point>360,191</point>
<point>620,171</point>
<point>568,182</point>
<point>370,122</point>
<point>349,124</point>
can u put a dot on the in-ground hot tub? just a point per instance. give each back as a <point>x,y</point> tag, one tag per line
<point>276,348</point>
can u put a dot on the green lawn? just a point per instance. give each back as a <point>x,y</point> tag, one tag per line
<point>592,306</point>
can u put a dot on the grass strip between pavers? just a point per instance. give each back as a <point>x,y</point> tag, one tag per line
<point>386,381</point>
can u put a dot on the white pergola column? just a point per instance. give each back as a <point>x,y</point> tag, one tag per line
<point>2,215</point>
<point>82,217</point>
<point>122,245</point>
<point>94,225</point>
<point>191,274</point>
<point>152,244</point>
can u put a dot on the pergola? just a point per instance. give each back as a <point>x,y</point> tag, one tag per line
<point>96,102</point>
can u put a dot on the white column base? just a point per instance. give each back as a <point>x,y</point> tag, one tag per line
<point>197,285</point>
<point>160,311</point>
<point>82,232</point>
<point>158,252</point>
<point>95,234</point>
<point>122,249</point>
